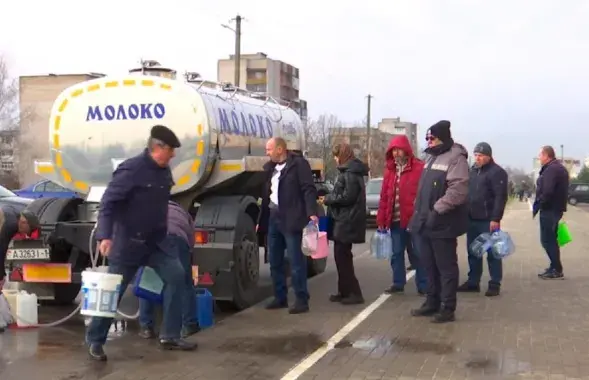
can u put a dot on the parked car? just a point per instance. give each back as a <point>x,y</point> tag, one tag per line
<point>10,198</point>
<point>373,187</point>
<point>578,193</point>
<point>46,189</point>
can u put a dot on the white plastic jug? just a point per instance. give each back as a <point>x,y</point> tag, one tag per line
<point>27,309</point>
<point>101,294</point>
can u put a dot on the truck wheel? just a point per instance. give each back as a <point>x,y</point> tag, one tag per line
<point>315,267</point>
<point>51,211</point>
<point>246,268</point>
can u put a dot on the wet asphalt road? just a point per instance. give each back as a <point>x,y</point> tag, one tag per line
<point>23,351</point>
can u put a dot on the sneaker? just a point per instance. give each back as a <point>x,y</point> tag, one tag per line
<point>425,310</point>
<point>353,300</point>
<point>394,290</point>
<point>96,352</point>
<point>299,308</point>
<point>177,345</point>
<point>469,288</point>
<point>546,271</point>
<point>444,316</point>
<point>553,275</point>
<point>146,332</point>
<point>276,304</point>
<point>492,291</point>
<point>336,297</point>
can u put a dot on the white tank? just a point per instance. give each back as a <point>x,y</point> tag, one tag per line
<point>96,124</point>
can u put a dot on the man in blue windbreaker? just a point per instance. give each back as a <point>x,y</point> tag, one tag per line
<point>132,227</point>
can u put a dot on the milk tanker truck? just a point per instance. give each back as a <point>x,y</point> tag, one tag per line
<point>218,175</point>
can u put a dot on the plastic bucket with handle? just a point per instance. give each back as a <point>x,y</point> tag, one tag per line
<point>100,294</point>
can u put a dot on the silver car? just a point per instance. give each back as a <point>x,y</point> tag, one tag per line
<point>373,187</point>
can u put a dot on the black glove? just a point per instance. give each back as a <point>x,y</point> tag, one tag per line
<point>431,219</point>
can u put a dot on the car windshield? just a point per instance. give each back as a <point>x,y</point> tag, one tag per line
<point>373,186</point>
<point>4,192</point>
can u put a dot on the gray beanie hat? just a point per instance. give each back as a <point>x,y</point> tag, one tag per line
<point>483,148</point>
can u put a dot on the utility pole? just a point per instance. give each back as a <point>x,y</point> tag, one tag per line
<point>562,153</point>
<point>238,19</point>
<point>368,139</point>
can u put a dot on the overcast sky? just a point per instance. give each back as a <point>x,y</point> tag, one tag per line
<point>514,73</point>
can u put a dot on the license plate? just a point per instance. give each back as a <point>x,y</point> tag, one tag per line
<point>373,212</point>
<point>27,254</point>
<point>47,273</point>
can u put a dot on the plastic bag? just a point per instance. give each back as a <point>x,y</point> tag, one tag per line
<point>310,239</point>
<point>5,313</point>
<point>498,244</point>
<point>381,245</point>
<point>481,245</point>
<point>563,234</point>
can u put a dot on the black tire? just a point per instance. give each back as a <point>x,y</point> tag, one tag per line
<point>246,268</point>
<point>49,211</point>
<point>315,267</point>
<point>573,201</point>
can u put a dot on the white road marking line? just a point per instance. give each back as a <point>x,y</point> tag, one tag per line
<point>531,205</point>
<point>312,359</point>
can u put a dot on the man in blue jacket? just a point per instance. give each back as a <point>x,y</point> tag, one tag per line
<point>289,202</point>
<point>487,197</point>
<point>552,189</point>
<point>132,226</point>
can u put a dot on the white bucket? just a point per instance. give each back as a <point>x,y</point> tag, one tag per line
<point>101,294</point>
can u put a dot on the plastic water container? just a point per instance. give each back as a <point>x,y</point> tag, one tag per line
<point>27,309</point>
<point>502,245</point>
<point>10,296</point>
<point>101,294</point>
<point>148,285</point>
<point>481,245</point>
<point>204,308</point>
<point>310,239</point>
<point>381,245</point>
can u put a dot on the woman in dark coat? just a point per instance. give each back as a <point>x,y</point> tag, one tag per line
<point>347,210</point>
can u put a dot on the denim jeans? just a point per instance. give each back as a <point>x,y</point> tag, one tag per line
<point>278,242</point>
<point>179,248</point>
<point>168,267</point>
<point>401,240</point>
<point>548,232</point>
<point>475,264</point>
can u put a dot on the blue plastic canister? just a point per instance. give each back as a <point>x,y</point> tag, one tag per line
<point>148,285</point>
<point>323,223</point>
<point>204,308</point>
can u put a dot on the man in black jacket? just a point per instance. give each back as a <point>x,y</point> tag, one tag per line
<point>551,202</point>
<point>289,202</point>
<point>487,196</point>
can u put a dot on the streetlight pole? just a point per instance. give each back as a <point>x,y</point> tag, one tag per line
<point>237,57</point>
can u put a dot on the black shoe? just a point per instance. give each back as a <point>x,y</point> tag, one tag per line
<point>96,352</point>
<point>394,290</point>
<point>444,316</point>
<point>353,300</point>
<point>425,310</point>
<point>553,275</point>
<point>336,298</point>
<point>299,308</point>
<point>146,332</point>
<point>492,291</point>
<point>546,271</point>
<point>469,288</point>
<point>190,330</point>
<point>276,304</point>
<point>177,345</point>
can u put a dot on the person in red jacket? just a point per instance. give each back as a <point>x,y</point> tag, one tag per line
<point>28,227</point>
<point>395,209</point>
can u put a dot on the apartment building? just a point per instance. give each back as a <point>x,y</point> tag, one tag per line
<point>258,73</point>
<point>36,96</point>
<point>395,126</point>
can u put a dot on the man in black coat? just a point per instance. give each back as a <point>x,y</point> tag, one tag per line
<point>487,197</point>
<point>552,189</point>
<point>289,202</point>
<point>132,228</point>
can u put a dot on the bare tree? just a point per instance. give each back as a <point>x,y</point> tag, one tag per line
<point>320,136</point>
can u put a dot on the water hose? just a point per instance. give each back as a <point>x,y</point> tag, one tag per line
<point>94,256</point>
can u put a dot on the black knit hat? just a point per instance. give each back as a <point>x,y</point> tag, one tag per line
<point>483,148</point>
<point>165,135</point>
<point>441,130</point>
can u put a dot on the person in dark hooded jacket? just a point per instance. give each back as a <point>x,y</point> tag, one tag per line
<point>347,209</point>
<point>441,215</point>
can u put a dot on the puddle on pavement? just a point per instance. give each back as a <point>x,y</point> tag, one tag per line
<point>288,345</point>
<point>380,344</point>
<point>496,362</point>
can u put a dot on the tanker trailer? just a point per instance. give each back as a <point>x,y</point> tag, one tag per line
<point>217,172</point>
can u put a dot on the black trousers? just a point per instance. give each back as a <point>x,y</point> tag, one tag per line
<point>440,262</point>
<point>347,283</point>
